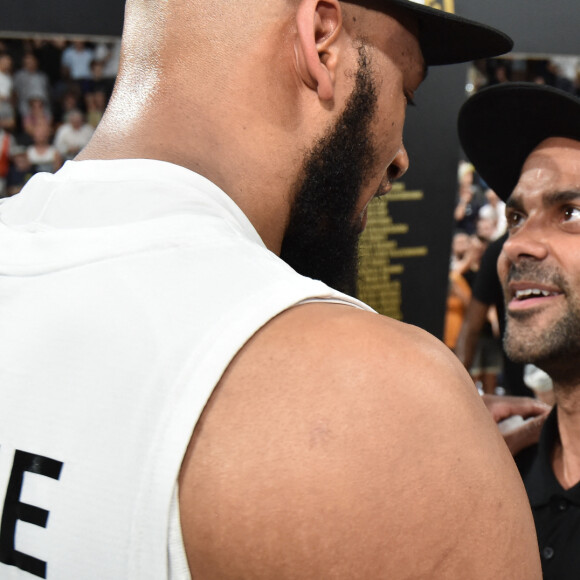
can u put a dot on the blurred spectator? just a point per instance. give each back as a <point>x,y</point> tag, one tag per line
<point>7,147</point>
<point>485,362</point>
<point>500,73</point>
<point>486,365</point>
<point>458,296</point>
<point>70,100</point>
<point>477,246</point>
<point>73,135</point>
<point>48,51</point>
<point>494,210</point>
<point>468,202</point>
<point>7,116</point>
<point>565,69</point>
<point>97,95</point>
<point>560,71</point>
<point>29,82</point>
<point>476,76</point>
<point>38,114</point>
<point>97,81</point>
<point>43,156</point>
<point>460,246</point>
<point>76,62</point>
<point>109,54</point>
<point>465,257</point>
<point>96,104</point>
<point>20,171</point>
<point>485,227</point>
<point>487,291</point>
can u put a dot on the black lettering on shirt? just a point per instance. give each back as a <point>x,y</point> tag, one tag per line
<point>15,510</point>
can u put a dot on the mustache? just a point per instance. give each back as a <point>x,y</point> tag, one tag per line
<point>531,271</point>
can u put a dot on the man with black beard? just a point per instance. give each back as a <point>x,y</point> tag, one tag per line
<point>525,142</point>
<point>184,400</point>
<point>321,240</point>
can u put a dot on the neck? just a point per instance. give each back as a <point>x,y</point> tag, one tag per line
<point>248,140</point>
<point>210,148</point>
<point>566,455</point>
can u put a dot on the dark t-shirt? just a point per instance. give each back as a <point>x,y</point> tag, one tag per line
<point>556,511</point>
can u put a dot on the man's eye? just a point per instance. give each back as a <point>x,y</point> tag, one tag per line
<point>514,219</point>
<point>572,213</point>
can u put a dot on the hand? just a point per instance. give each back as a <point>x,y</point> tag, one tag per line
<point>465,194</point>
<point>525,433</point>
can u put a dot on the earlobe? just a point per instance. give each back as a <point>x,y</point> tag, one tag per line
<point>319,23</point>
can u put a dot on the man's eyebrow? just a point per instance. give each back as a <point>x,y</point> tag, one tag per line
<point>514,203</point>
<point>558,197</point>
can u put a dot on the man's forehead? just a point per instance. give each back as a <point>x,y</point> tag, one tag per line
<point>557,154</point>
<point>558,142</point>
<point>551,168</point>
<point>396,32</point>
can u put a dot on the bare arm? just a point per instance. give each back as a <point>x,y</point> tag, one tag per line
<point>341,444</point>
<point>473,322</point>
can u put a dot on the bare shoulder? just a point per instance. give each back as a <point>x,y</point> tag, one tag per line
<point>341,444</point>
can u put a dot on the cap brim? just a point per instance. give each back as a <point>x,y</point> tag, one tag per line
<point>447,39</point>
<point>501,125</point>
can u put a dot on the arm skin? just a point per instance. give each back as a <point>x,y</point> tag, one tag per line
<point>342,444</point>
<point>475,317</point>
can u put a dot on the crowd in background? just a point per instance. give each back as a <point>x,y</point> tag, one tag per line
<point>53,93</point>
<point>560,71</point>
<point>479,219</point>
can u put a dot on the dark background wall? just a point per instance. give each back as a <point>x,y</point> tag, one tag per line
<point>433,149</point>
<point>536,27</point>
<point>86,17</point>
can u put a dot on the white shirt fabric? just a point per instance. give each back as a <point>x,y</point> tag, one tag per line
<point>126,288</point>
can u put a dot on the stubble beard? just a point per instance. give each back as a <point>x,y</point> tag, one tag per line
<point>321,240</point>
<point>555,347</point>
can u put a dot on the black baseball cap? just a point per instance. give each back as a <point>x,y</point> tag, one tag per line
<point>446,38</point>
<point>501,125</point>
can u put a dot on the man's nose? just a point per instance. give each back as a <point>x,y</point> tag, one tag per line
<point>399,165</point>
<point>527,241</point>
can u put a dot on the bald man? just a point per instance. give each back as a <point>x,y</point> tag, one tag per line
<point>185,391</point>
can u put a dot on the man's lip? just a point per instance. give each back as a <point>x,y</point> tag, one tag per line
<point>384,189</point>
<point>527,294</point>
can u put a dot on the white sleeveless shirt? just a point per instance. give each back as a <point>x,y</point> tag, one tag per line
<point>126,288</point>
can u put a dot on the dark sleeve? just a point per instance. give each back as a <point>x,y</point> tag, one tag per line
<point>487,288</point>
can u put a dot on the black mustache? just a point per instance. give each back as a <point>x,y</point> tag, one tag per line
<point>535,273</point>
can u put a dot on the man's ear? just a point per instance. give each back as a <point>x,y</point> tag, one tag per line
<point>319,23</point>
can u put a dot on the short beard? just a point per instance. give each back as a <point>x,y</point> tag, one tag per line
<point>555,349</point>
<point>321,240</point>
